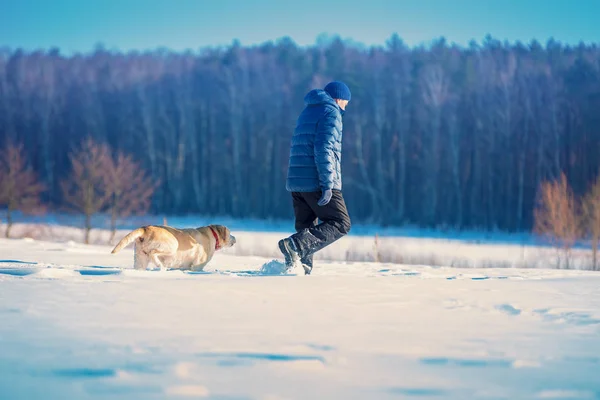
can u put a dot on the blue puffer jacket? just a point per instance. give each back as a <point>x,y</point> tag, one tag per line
<point>316,151</point>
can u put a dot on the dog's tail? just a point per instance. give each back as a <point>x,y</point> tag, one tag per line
<point>129,238</point>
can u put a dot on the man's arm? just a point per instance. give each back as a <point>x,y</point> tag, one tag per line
<point>324,153</point>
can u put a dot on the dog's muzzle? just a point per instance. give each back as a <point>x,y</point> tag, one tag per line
<point>232,239</point>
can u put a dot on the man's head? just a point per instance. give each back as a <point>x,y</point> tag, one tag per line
<point>340,93</point>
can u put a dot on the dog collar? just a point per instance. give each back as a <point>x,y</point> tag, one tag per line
<point>217,245</point>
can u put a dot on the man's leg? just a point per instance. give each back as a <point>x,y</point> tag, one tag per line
<point>305,218</point>
<point>335,223</point>
<point>304,215</point>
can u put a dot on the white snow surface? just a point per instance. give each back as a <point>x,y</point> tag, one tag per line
<point>409,247</point>
<point>78,323</point>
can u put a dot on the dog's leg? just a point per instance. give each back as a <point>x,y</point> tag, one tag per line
<point>200,260</point>
<point>154,256</point>
<point>140,259</point>
<point>198,267</point>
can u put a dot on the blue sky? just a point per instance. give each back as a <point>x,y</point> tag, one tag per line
<point>78,25</point>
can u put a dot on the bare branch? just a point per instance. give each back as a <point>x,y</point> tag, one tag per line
<point>591,218</point>
<point>557,217</point>
<point>130,188</point>
<point>19,187</point>
<point>86,190</point>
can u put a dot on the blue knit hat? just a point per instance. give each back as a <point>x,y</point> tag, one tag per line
<point>338,90</point>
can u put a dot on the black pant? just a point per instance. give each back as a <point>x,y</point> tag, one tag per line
<point>310,237</point>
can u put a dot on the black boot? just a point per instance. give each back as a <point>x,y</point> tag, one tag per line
<point>288,249</point>
<point>307,264</point>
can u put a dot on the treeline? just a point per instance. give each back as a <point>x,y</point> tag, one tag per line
<point>436,136</point>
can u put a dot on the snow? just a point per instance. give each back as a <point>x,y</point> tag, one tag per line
<point>77,322</point>
<point>394,245</point>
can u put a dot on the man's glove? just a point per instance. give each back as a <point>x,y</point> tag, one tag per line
<point>325,197</point>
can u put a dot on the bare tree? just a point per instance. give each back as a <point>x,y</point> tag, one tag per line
<point>130,190</point>
<point>557,216</point>
<point>591,218</point>
<point>236,78</point>
<point>435,94</point>
<point>399,69</point>
<point>379,123</point>
<point>87,190</point>
<point>19,186</point>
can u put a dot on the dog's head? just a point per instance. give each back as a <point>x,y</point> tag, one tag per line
<point>225,237</point>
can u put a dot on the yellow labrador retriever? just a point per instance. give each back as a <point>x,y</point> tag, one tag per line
<point>168,247</point>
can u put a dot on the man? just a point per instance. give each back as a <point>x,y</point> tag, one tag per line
<point>314,176</point>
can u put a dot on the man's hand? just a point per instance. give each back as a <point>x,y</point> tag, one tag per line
<point>325,197</point>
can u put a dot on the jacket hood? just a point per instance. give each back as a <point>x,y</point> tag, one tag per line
<point>319,96</point>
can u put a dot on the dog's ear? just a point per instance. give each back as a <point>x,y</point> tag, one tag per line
<point>222,231</point>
